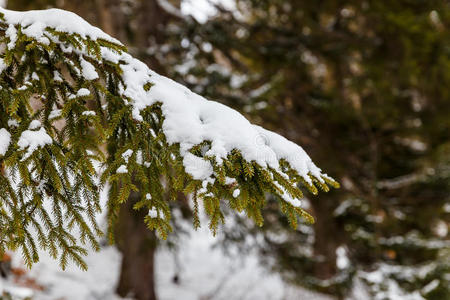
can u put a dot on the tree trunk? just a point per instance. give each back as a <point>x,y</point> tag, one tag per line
<point>325,242</point>
<point>138,245</point>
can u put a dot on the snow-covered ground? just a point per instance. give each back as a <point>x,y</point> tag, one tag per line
<point>204,272</point>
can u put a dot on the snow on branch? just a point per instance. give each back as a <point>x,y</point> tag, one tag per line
<point>68,88</point>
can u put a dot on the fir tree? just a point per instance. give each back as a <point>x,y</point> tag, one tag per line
<point>371,78</point>
<point>69,91</point>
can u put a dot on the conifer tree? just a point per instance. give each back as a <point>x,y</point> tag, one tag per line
<point>72,96</point>
<point>371,79</point>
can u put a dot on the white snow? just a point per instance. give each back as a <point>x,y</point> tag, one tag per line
<point>344,206</point>
<point>88,70</point>
<point>381,280</point>
<point>13,123</point>
<point>122,169</point>
<point>61,20</point>
<point>236,193</point>
<point>57,77</point>
<point>441,229</point>
<point>204,272</point>
<point>5,139</point>
<point>292,201</point>
<point>139,157</point>
<point>54,114</point>
<point>230,181</point>
<point>16,292</point>
<point>197,167</point>
<point>88,113</point>
<point>127,154</point>
<point>446,207</point>
<point>35,124</point>
<point>33,140</point>
<point>342,260</point>
<point>83,92</point>
<point>431,286</point>
<point>202,10</point>
<point>35,30</point>
<point>286,197</point>
<point>153,213</point>
<point>11,32</point>
<point>34,76</point>
<point>189,119</point>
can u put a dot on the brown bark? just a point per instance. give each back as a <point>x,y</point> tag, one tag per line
<point>138,245</point>
<point>326,242</point>
<point>105,18</point>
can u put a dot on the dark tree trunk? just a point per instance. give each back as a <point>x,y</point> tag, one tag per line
<point>326,242</point>
<point>138,245</point>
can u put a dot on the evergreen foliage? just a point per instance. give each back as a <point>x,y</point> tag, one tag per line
<point>371,78</point>
<point>63,109</point>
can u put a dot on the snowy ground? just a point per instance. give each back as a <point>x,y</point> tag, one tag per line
<point>205,273</point>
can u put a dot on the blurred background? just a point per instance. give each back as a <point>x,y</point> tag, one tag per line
<point>362,86</point>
